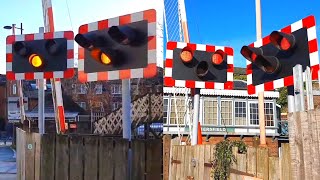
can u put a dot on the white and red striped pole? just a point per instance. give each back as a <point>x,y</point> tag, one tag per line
<point>55,83</point>
<point>59,105</point>
<point>195,92</point>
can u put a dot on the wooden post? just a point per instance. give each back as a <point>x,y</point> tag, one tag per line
<point>260,94</point>
<point>298,88</point>
<point>166,156</point>
<point>309,92</point>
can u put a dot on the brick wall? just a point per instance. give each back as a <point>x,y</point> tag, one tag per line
<point>3,102</point>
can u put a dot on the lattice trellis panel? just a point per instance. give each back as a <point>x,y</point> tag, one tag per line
<point>140,113</point>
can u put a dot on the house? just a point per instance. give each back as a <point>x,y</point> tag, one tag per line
<point>223,113</point>
<point>94,99</point>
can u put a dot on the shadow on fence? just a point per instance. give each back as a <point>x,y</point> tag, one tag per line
<point>90,157</point>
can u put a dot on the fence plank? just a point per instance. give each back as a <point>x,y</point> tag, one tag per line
<point>262,163</point>
<point>76,157</point>
<point>252,161</point>
<point>201,162</point>
<point>166,156</point>
<point>285,162</point>
<point>37,157</point>
<point>47,154</point>
<point>194,162</point>
<point>62,157</point>
<point>179,166</point>
<point>154,152</point>
<point>91,157</point>
<point>315,145</point>
<point>213,151</point>
<point>120,154</point>
<point>182,158</point>
<point>207,159</point>
<point>106,159</point>
<point>241,163</point>
<point>296,148</point>
<point>306,142</point>
<point>274,169</point>
<point>234,165</point>
<point>173,167</point>
<point>23,154</point>
<point>174,142</point>
<point>19,152</point>
<point>187,162</point>
<point>138,159</point>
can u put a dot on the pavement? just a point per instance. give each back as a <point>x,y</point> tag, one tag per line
<point>8,168</point>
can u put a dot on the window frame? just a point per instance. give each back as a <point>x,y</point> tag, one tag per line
<point>217,110</point>
<point>220,113</point>
<point>246,111</point>
<point>98,87</point>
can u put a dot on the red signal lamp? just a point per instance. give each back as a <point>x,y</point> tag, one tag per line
<point>122,34</point>
<point>21,48</point>
<point>186,55</point>
<point>282,41</point>
<point>251,53</point>
<point>218,57</point>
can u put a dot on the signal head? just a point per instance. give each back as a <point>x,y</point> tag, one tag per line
<point>218,57</point>
<point>202,69</point>
<point>36,61</point>
<point>52,47</point>
<point>83,41</point>
<point>123,35</point>
<point>186,55</point>
<point>250,53</point>
<point>21,48</point>
<point>282,41</point>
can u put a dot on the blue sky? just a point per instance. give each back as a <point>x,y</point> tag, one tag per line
<point>232,22</point>
<point>223,23</point>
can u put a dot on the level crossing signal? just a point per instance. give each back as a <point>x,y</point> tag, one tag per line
<point>198,66</point>
<point>270,60</point>
<point>40,56</point>
<point>122,47</point>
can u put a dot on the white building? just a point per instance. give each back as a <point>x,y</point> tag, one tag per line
<point>222,112</point>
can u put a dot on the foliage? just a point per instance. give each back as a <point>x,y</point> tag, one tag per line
<point>240,77</point>
<point>224,158</point>
<point>282,100</point>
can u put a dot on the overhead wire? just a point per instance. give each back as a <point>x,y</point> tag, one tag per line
<point>68,9</point>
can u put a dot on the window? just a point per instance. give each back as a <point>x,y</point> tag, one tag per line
<point>268,113</point>
<point>100,104</point>
<point>226,113</point>
<point>82,89</point>
<point>74,88</point>
<point>210,112</point>
<point>165,110</point>
<point>98,88</point>
<point>181,111</point>
<point>115,105</point>
<point>240,113</point>
<point>116,89</point>
<point>254,114</point>
<point>82,105</point>
<point>14,89</point>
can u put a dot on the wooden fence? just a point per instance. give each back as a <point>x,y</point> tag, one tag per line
<point>86,157</point>
<point>304,137</point>
<point>195,162</point>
